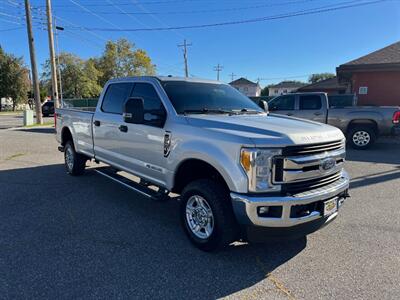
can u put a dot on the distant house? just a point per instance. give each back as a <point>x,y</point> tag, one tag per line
<point>284,87</point>
<point>374,78</point>
<point>330,86</point>
<point>247,87</point>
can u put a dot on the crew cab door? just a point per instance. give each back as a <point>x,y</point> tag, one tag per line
<point>107,137</point>
<point>283,105</point>
<point>143,144</point>
<point>311,107</point>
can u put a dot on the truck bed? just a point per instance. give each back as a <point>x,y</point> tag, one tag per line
<point>79,122</point>
<point>382,115</point>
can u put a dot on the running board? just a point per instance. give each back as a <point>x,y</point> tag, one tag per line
<point>112,174</point>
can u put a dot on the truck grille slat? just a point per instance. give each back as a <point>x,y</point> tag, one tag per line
<point>300,168</point>
<point>312,149</point>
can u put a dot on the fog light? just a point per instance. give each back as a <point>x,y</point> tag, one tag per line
<point>263,210</point>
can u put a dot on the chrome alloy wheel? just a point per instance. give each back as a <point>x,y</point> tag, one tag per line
<point>199,217</point>
<point>69,158</point>
<point>361,138</point>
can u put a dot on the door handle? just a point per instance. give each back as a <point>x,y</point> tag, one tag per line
<point>289,114</point>
<point>96,123</point>
<point>318,113</point>
<point>123,128</point>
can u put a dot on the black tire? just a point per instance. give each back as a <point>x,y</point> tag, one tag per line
<point>75,163</point>
<point>361,137</point>
<point>225,228</point>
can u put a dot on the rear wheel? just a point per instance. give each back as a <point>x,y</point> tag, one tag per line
<point>207,216</point>
<point>361,137</point>
<point>75,163</point>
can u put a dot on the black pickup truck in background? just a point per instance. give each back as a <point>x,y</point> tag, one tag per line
<point>362,125</point>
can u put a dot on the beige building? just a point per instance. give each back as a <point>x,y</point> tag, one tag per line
<point>284,87</point>
<point>247,87</point>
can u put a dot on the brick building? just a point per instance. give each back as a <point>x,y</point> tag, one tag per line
<point>374,78</point>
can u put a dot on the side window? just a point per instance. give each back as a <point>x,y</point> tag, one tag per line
<point>154,112</point>
<point>282,103</point>
<point>310,102</point>
<point>115,96</point>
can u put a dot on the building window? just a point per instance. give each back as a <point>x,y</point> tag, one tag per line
<point>363,90</point>
<point>276,91</point>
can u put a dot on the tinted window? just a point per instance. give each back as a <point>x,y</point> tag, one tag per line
<point>282,103</point>
<point>191,96</point>
<point>153,107</point>
<point>310,102</point>
<point>115,96</point>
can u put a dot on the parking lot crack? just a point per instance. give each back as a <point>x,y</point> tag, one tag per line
<point>277,283</point>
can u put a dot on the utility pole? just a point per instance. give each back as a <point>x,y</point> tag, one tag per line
<point>232,76</point>
<point>185,45</point>
<point>35,81</point>
<point>218,69</point>
<point>54,87</point>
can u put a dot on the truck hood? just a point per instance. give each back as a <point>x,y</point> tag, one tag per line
<point>268,130</point>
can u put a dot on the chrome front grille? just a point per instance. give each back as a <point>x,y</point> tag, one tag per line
<point>311,166</point>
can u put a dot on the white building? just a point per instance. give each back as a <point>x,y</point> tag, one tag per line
<point>284,87</point>
<point>247,87</point>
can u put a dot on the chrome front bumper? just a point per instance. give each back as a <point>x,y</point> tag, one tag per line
<point>245,206</point>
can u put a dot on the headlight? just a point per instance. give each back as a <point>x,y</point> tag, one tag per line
<point>257,164</point>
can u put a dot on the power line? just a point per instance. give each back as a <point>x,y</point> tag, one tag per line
<point>232,9</point>
<point>247,21</point>
<point>127,3</point>
<point>11,29</point>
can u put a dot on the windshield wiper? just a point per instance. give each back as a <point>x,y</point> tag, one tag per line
<point>246,111</point>
<point>206,110</point>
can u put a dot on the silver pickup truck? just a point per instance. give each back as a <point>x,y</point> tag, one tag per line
<point>361,124</point>
<point>241,173</point>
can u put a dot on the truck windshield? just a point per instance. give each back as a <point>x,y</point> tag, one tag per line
<point>198,97</point>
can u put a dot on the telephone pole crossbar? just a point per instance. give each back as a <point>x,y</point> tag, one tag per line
<point>184,46</point>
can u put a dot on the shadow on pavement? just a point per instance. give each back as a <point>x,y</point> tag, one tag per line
<point>378,153</point>
<point>39,130</point>
<point>88,237</point>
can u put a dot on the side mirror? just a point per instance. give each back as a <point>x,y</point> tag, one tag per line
<point>133,111</point>
<point>264,105</point>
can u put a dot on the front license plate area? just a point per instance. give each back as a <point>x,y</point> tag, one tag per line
<point>330,207</point>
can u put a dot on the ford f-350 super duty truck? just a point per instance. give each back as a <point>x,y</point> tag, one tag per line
<point>241,173</point>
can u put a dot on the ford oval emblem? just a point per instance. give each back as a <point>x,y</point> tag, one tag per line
<point>327,164</point>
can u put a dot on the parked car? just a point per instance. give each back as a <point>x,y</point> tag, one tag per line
<point>48,108</point>
<point>240,172</point>
<point>362,125</point>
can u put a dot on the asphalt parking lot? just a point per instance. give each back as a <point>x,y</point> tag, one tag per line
<point>12,120</point>
<point>87,237</point>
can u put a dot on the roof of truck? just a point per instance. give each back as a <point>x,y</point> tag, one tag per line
<point>166,78</point>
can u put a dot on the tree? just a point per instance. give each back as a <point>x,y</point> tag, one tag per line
<point>320,76</point>
<point>14,78</point>
<point>79,78</point>
<point>121,58</point>
<point>265,91</point>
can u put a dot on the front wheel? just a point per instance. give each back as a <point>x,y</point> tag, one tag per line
<point>207,216</point>
<point>75,163</point>
<point>361,137</point>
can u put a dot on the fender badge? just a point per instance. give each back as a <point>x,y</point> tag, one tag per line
<point>167,143</point>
